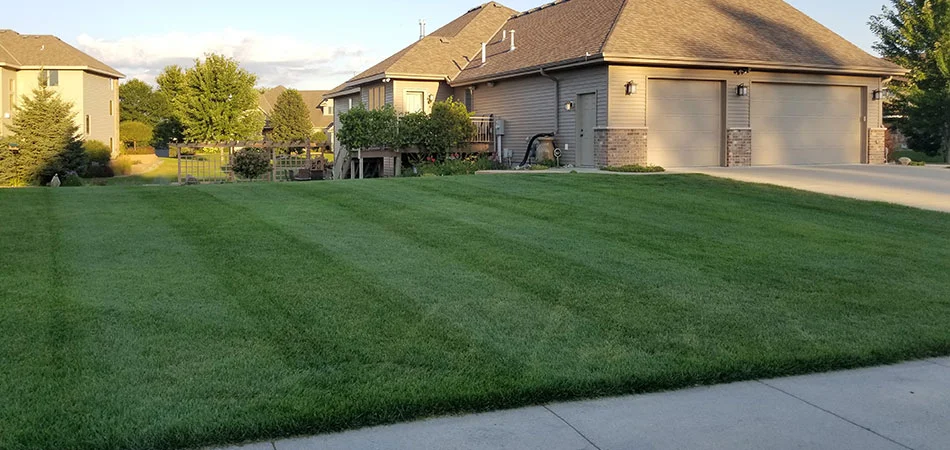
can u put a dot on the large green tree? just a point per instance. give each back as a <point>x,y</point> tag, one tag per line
<point>170,93</point>
<point>138,102</point>
<point>46,134</point>
<point>214,100</point>
<point>135,133</point>
<point>916,35</point>
<point>290,119</point>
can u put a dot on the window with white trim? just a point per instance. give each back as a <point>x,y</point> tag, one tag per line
<point>415,101</point>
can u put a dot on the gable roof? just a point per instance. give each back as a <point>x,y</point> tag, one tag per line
<point>27,51</point>
<point>443,53</point>
<point>765,34</point>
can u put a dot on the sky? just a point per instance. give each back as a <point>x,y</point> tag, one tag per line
<point>299,44</point>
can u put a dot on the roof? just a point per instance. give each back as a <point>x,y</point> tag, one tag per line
<point>769,34</point>
<point>443,53</point>
<point>23,51</point>
<point>313,100</point>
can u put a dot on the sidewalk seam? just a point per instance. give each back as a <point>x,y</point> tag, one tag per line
<point>836,415</point>
<point>273,445</point>
<point>572,427</point>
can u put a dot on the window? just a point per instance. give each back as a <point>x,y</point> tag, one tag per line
<point>88,123</point>
<point>111,144</point>
<point>50,77</point>
<point>377,97</point>
<point>110,107</point>
<point>415,102</point>
<point>470,100</point>
<point>328,110</point>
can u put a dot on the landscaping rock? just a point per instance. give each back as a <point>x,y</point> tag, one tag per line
<point>55,181</point>
<point>904,161</point>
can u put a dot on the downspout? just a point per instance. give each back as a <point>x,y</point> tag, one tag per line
<point>557,99</point>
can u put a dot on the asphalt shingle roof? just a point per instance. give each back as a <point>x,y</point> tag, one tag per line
<point>763,32</point>
<point>28,50</point>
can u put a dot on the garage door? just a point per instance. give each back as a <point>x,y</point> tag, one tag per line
<point>685,123</point>
<point>806,124</point>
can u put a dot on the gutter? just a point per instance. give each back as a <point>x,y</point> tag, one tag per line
<point>557,98</point>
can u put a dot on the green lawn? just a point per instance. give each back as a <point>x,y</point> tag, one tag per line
<point>161,317</point>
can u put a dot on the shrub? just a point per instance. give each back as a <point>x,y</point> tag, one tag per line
<point>97,152</point>
<point>94,171</point>
<point>250,163</point>
<point>140,150</point>
<point>456,164</point>
<point>121,166</point>
<point>135,133</point>
<point>917,163</point>
<point>71,179</point>
<point>634,168</point>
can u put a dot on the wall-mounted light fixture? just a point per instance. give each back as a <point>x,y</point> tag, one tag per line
<point>387,80</point>
<point>431,98</point>
<point>491,84</point>
<point>879,94</point>
<point>742,90</point>
<point>630,88</point>
<point>569,106</point>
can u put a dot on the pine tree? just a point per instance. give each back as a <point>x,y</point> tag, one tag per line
<point>44,128</point>
<point>290,119</point>
<point>916,35</point>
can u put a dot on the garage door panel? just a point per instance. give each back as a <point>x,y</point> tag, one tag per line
<point>806,124</point>
<point>685,123</point>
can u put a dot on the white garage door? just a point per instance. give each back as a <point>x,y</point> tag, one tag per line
<point>806,124</point>
<point>685,123</point>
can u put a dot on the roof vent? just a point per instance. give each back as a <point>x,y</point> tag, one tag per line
<point>422,29</point>
<point>483,52</point>
<point>512,41</point>
<point>504,35</point>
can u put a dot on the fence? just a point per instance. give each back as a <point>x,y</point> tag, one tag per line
<point>484,130</point>
<point>214,166</point>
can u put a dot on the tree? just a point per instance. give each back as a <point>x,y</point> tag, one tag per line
<point>47,135</point>
<point>138,102</point>
<point>290,119</point>
<point>135,132</point>
<point>215,100</point>
<point>916,35</point>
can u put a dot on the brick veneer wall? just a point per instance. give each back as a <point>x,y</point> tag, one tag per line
<point>620,146</point>
<point>739,147</point>
<point>877,151</point>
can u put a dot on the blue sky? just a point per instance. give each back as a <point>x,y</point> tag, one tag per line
<point>303,44</point>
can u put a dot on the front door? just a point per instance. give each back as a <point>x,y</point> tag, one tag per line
<point>586,117</point>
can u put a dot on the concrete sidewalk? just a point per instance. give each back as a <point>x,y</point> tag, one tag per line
<point>904,406</point>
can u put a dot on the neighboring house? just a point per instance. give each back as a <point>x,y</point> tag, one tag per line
<point>320,108</point>
<point>666,82</point>
<point>91,86</point>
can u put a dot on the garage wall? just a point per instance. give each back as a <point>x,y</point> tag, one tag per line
<point>631,111</point>
<point>527,104</point>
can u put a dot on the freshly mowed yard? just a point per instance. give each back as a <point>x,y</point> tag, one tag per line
<point>163,317</point>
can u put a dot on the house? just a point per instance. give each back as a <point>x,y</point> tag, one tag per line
<point>666,82</point>
<point>320,108</point>
<point>90,85</point>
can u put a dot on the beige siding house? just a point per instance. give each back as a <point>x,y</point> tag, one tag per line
<point>319,108</point>
<point>747,82</point>
<point>91,86</point>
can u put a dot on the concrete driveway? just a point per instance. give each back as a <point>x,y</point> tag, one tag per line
<point>920,187</point>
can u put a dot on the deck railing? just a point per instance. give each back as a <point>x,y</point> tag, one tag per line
<point>484,130</point>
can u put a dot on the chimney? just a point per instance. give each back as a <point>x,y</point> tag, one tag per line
<point>483,52</point>
<point>422,28</point>
<point>512,41</point>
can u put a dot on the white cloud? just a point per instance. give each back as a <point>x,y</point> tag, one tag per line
<point>275,59</point>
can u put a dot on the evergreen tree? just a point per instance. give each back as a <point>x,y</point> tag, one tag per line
<point>916,35</point>
<point>290,119</point>
<point>44,128</point>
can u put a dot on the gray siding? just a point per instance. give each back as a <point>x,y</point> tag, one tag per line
<point>529,106</point>
<point>364,92</point>
<point>631,111</point>
<point>340,106</point>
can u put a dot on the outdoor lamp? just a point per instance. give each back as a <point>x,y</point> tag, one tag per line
<point>742,90</point>
<point>631,87</point>
<point>879,94</point>
<point>569,106</point>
